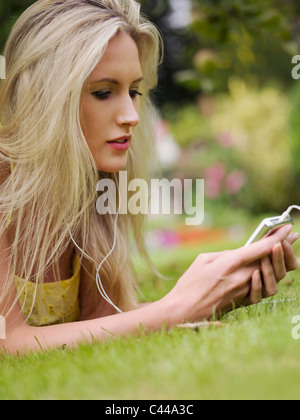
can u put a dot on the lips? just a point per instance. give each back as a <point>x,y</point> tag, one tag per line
<point>120,144</point>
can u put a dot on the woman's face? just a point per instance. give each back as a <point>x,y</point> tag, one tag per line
<point>111,102</point>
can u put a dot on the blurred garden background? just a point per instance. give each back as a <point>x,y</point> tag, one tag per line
<point>230,106</point>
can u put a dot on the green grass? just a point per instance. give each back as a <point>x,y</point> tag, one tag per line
<point>252,356</point>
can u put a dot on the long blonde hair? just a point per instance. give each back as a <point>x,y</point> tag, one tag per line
<point>52,191</point>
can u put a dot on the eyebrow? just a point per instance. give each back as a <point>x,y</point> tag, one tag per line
<point>114,81</point>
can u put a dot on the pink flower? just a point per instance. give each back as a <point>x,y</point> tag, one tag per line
<point>235,182</point>
<point>226,140</point>
<point>213,180</point>
<point>216,172</point>
<point>213,189</point>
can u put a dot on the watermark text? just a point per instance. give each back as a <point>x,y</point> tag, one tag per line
<point>296,329</point>
<point>2,68</point>
<point>166,197</point>
<point>2,328</point>
<point>296,69</point>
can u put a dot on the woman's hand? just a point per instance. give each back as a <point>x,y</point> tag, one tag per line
<point>219,282</point>
<point>273,269</point>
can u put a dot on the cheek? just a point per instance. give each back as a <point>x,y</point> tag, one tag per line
<point>88,120</point>
<point>91,119</point>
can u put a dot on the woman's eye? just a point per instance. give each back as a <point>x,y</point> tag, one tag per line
<point>135,93</point>
<point>102,95</point>
<point>105,94</point>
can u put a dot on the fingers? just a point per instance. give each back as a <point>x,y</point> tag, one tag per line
<point>257,251</point>
<point>278,261</point>
<point>283,259</point>
<point>256,293</point>
<point>291,260</point>
<point>270,286</point>
<point>293,238</point>
<point>264,284</point>
<point>210,257</point>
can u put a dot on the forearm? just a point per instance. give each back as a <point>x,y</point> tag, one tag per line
<point>147,318</point>
<point>213,281</point>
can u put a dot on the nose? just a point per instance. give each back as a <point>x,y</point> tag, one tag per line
<point>128,114</point>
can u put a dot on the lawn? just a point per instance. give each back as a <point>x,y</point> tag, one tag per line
<point>252,355</point>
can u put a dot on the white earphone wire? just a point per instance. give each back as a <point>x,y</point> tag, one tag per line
<point>98,278</point>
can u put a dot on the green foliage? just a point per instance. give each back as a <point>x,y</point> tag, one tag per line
<point>240,144</point>
<point>9,13</point>
<point>219,20</point>
<point>234,37</point>
<point>295,131</point>
<point>257,120</point>
<point>187,123</point>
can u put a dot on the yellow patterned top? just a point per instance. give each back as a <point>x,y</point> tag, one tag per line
<point>55,303</point>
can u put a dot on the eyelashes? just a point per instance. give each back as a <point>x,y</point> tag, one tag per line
<point>135,93</point>
<point>102,95</point>
<point>105,94</point>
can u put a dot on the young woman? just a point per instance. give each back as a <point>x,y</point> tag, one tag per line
<point>75,109</point>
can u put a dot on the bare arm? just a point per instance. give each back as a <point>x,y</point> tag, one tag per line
<point>213,281</point>
<point>23,337</point>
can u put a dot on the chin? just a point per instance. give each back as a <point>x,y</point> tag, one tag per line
<point>112,167</point>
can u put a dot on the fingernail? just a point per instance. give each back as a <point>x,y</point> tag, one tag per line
<point>286,230</point>
<point>278,246</point>
<point>289,228</point>
<point>295,237</point>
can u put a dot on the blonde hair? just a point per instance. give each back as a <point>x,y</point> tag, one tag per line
<point>52,50</point>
